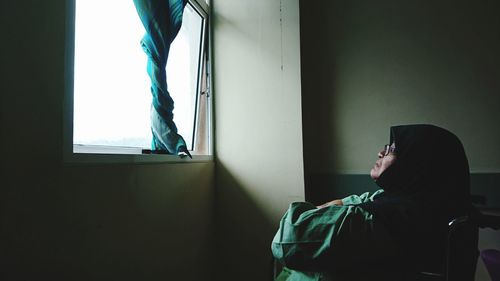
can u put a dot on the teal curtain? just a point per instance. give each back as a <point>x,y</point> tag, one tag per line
<point>162,20</point>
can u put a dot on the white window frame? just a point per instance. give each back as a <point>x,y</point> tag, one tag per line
<point>108,154</point>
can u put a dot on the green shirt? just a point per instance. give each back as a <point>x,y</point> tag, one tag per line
<point>318,243</point>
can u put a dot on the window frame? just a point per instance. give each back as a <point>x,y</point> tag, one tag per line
<point>90,154</point>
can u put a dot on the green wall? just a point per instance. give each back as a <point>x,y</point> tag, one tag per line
<point>367,65</point>
<point>84,222</point>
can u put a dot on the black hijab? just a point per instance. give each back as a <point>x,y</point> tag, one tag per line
<point>425,187</point>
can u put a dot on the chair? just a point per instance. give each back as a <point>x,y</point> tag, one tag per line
<point>461,252</point>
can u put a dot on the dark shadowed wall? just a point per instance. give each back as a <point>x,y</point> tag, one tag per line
<point>84,222</point>
<point>367,65</point>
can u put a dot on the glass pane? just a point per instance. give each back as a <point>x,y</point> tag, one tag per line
<point>182,72</point>
<point>112,95</point>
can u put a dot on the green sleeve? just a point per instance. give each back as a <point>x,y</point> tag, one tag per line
<point>365,197</point>
<point>312,239</point>
<point>293,275</point>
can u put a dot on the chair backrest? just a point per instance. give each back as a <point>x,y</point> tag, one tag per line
<point>461,252</point>
<point>461,249</point>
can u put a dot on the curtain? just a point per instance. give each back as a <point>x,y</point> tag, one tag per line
<point>162,20</point>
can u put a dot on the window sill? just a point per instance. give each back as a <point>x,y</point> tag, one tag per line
<point>87,154</point>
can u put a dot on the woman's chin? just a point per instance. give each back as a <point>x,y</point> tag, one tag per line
<point>374,174</point>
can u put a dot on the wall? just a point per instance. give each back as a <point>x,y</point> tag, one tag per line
<point>367,65</point>
<point>259,167</point>
<point>84,222</point>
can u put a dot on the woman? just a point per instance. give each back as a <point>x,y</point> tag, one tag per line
<point>393,234</point>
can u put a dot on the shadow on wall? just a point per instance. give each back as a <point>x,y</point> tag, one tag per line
<point>137,222</point>
<point>318,94</point>
<point>243,233</point>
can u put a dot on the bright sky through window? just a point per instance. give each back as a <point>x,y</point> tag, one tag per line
<point>112,95</point>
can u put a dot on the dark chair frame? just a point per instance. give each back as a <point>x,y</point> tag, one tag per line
<point>462,231</point>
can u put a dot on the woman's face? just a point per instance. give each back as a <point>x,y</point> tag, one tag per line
<point>386,158</point>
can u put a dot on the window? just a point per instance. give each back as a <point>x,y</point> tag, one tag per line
<point>111,88</point>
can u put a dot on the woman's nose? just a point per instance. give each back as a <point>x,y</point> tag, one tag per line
<point>380,154</point>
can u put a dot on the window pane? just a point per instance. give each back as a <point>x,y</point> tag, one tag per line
<point>112,95</point>
<point>182,72</point>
